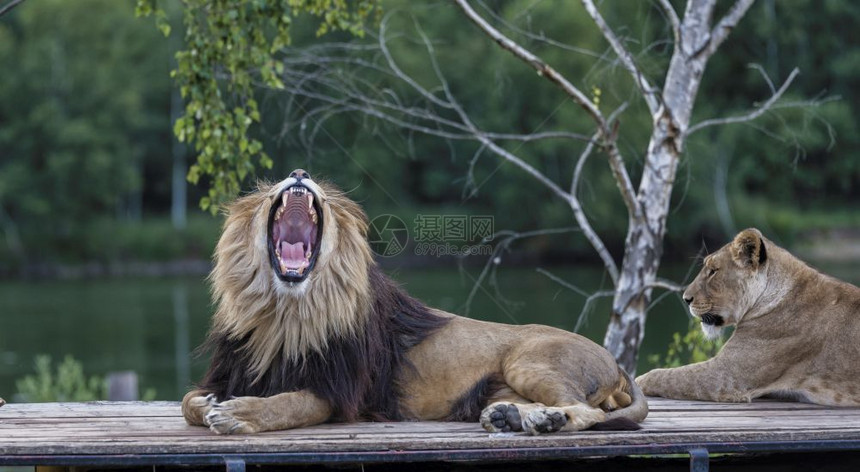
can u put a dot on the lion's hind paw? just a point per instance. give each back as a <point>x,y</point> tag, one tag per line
<point>501,418</point>
<point>533,418</point>
<point>544,420</point>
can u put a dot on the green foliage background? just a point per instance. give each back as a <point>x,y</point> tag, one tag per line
<point>688,348</point>
<point>86,130</point>
<point>67,384</point>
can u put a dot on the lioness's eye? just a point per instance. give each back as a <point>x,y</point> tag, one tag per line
<point>712,271</point>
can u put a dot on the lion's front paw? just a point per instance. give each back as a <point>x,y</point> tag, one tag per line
<point>236,416</point>
<point>501,418</point>
<point>195,408</point>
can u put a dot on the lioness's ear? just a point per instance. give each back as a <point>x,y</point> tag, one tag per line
<point>748,249</point>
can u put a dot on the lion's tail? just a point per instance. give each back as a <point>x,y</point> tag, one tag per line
<point>627,418</point>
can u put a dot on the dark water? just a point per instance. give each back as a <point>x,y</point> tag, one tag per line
<point>151,325</point>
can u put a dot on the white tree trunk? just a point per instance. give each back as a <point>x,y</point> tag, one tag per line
<point>644,242</point>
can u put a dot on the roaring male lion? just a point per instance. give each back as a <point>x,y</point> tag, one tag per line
<point>308,329</point>
<point>797,333</point>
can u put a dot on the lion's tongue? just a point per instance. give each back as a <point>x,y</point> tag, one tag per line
<point>293,255</point>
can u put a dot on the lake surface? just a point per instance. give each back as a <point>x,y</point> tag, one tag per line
<point>152,325</point>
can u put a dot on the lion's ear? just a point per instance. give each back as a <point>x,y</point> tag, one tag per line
<point>748,249</point>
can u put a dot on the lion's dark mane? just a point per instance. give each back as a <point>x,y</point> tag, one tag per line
<point>355,375</point>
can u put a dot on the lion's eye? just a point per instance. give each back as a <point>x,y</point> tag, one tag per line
<point>712,271</point>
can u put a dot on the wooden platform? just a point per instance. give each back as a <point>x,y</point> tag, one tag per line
<point>136,433</point>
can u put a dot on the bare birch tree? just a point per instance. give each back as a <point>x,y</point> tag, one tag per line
<point>316,73</point>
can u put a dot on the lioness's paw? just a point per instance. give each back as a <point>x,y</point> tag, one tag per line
<point>648,383</point>
<point>233,416</point>
<point>544,420</point>
<point>501,418</point>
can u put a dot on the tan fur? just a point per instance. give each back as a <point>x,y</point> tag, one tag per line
<point>797,331</point>
<point>545,370</point>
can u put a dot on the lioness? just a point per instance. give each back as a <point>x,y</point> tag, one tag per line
<point>308,329</point>
<point>797,332</point>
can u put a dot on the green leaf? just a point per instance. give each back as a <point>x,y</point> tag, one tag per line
<point>232,36</point>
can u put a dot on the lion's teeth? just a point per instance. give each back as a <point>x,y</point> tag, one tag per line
<point>283,267</point>
<point>314,217</point>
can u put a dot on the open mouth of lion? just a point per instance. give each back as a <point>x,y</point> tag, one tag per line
<point>295,230</point>
<point>712,319</point>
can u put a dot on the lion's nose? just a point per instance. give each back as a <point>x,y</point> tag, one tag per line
<point>688,300</point>
<point>300,174</point>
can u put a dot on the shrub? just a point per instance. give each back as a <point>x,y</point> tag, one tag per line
<point>689,348</point>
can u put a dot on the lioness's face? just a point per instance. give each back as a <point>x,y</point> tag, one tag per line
<point>729,283</point>
<point>295,226</point>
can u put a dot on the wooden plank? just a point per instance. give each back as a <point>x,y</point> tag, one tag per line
<point>90,409</point>
<point>158,428</point>
<point>232,445</point>
<point>18,428</point>
<point>172,409</point>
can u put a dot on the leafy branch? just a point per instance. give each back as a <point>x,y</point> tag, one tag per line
<point>229,45</point>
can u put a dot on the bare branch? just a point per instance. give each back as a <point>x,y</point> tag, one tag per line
<point>575,205</point>
<point>764,75</point>
<point>478,285</point>
<point>751,115</point>
<point>514,159</point>
<point>480,135</point>
<point>673,18</point>
<point>583,158</point>
<point>649,93</point>
<point>563,283</point>
<point>470,188</point>
<point>405,77</point>
<point>666,285</point>
<point>589,300</point>
<point>593,238</point>
<point>589,304</point>
<point>535,62</point>
<point>507,238</point>
<point>539,37</point>
<point>572,200</point>
<point>622,179</point>
<point>9,6</point>
<point>607,134</point>
<point>727,24</point>
<point>341,92</point>
<point>580,163</point>
<point>541,135</point>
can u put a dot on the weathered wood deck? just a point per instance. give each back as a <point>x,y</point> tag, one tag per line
<point>135,433</point>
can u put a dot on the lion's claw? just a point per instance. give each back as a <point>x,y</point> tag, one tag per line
<point>223,418</point>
